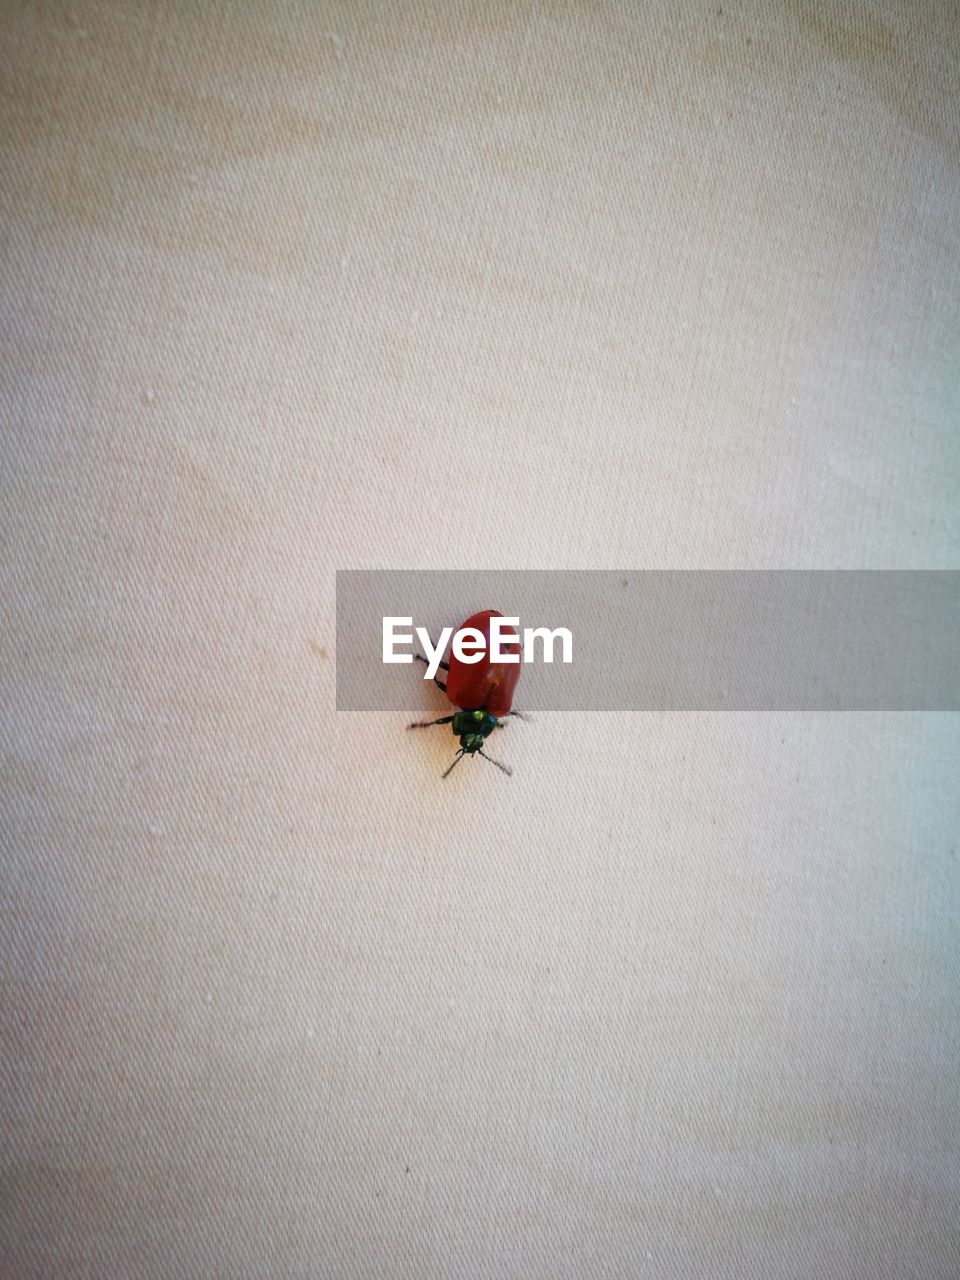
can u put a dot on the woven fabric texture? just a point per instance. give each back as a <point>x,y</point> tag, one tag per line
<point>296,287</point>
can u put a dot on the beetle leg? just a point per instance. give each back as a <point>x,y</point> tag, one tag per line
<point>521,715</point>
<point>444,666</point>
<point>425,724</point>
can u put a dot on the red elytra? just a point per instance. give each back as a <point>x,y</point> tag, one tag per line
<point>485,685</point>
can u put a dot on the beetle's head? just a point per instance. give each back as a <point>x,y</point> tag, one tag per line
<point>471,727</point>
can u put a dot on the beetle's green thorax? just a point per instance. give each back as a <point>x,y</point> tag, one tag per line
<point>472,727</point>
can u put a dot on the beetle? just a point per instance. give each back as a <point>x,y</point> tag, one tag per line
<point>482,691</point>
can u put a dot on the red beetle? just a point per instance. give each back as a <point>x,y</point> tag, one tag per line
<point>482,690</point>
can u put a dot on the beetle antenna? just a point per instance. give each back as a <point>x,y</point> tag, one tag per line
<point>456,760</point>
<point>508,772</point>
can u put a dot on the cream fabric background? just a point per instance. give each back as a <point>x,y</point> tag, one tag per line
<point>288,288</point>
